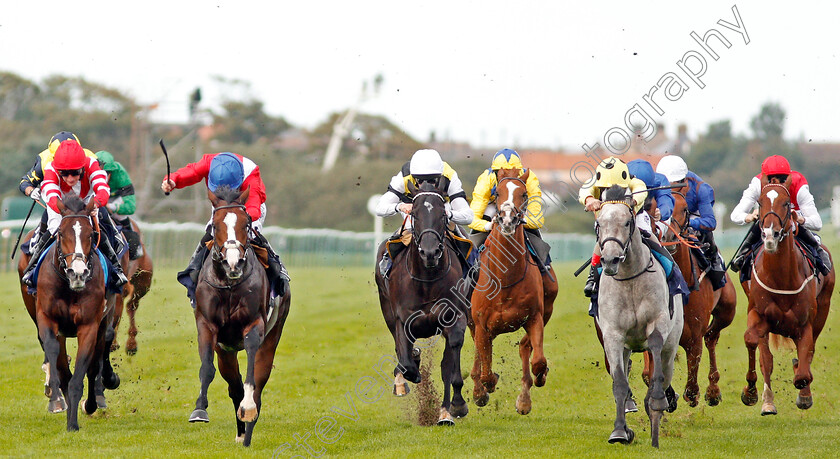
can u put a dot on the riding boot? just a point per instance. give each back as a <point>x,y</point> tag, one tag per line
<point>277,274</point>
<point>111,255</point>
<point>592,282</point>
<point>810,239</point>
<point>189,276</point>
<point>135,248</point>
<point>753,237</point>
<point>385,265</point>
<point>35,253</point>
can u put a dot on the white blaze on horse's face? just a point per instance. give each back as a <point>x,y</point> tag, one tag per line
<point>507,208</point>
<point>772,195</point>
<point>232,254</point>
<point>78,264</point>
<point>428,206</point>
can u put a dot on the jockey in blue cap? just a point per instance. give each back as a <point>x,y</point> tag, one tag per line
<point>643,171</point>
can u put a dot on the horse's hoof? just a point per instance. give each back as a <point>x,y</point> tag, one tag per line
<point>131,351</point>
<point>672,398</point>
<point>111,383</point>
<point>523,404</point>
<point>767,409</point>
<point>89,408</point>
<point>115,346</point>
<point>749,396</point>
<point>482,400</point>
<point>199,416</point>
<point>539,381</point>
<point>247,414</point>
<point>803,403</point>
<point>445,418</point>
<point>100,402</point>
<point>57,406</point>
<point>240,438</point>
<point>630,406</point>
<point>622,436</point>
<point>401,390</point>
<point>713,397</point>
<point>459,411</point>
<point>801,383</point>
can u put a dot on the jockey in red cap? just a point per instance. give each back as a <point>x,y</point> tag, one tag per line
<point>802,201</point>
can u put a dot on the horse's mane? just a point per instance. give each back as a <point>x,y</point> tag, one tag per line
<point>227,194</point>
<point>614,193</point>
<point>73,203</point>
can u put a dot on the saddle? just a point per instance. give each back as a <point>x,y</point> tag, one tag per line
<point>813,260</point>
<point>106,266</point>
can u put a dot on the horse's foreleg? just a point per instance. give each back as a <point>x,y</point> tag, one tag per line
<point>140,283</point>
<point>458,407</point>
<point>656,402</point>
<point>523,401</point>
<point>248,408</point>
<point>86,338</point>
<point>802,376</point>
<point>404,349</point>
<point>765,360</point>
<point>539,364</point>
<point>96,393</point>
<point>617,356</point>
<point>52,350</point>
<point>447,373</point>
<point>693,354</point>
<point>756,328</point>
<point>206,343</point>
<point>229,371</point>
<point>119,302</point>
<point>484,360</point>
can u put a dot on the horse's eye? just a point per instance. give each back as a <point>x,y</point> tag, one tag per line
<point>627,224</point>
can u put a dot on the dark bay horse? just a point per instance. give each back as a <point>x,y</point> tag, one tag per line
<point>70,301</point>
<point>422,299</point>
<point>510,294</point>
<point>139,273</point>
<point>233,312</point>
<point>786,297</point>
<point>704,303</point>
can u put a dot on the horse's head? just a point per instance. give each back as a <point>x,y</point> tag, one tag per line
<point>774,210</point>
<point>428,213</point>
<point>75,240</point>
<point>511,200</point>
<point>678,226</point>
<point>616,223</point>
<point>231,225</point>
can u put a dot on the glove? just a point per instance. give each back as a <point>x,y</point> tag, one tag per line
<point>112,206</point>
<point>448,210</point>
<point>488,226</point>
<point>35,194</point>
<point>102,198</point>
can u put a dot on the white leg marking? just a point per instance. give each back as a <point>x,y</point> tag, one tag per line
<point>248,406</point>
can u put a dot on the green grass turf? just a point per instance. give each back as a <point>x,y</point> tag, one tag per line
<point>333,338</point>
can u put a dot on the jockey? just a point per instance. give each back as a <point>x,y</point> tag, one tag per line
<point>611,171</point>
<point>72,170</point>
<point>643,171</point>
<point>425,166</point>
<point>483,203</point>
<point>700,199</point>
<point>237,172</point>
<point>803,204</point>
<point>122,202</point>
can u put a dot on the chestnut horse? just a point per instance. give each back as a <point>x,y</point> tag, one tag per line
<point>421,298</point>
<point>70,301</point>
<point>139,273</point>
<point>510,294</point>
<point>704,303</point>
<point>786,297</point>
<point>233,312</point>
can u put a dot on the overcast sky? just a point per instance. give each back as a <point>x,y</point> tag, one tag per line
<point>493,73</point>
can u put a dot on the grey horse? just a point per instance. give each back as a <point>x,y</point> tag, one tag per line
<point>633,311</point>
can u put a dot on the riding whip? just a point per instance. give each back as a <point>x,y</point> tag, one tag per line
<point>726,268</point>
<point>583,266</point>
<point>165,155</point>
<point>14,249</point>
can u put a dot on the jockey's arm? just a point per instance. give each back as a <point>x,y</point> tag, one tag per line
<point>389,201</point>
<point>33,178</point>
<point>192,173</point>
<point>807,209</point>
<point>535,212</point>
<point>480,200</point>
<point>749,198</point>
<point>461,212</point>
<point>705,200</point>
<point>664,199</point>
<point>640,189</point>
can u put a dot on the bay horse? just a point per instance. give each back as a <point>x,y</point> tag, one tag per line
<point>786,297</point>
<point>139,273</point>
<point>634,315</point>
<point>70,301</point>
<point>704,303</point>
<point>233,312</point>
<point>511,293</point>
<point>422,298</point>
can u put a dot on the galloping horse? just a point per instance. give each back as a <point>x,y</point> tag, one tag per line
<point>139,273</point>
<point>233,312</point>
<point>633,310</point>
<point>421,299</point>
<point>71,301</point>
<point>703,303</point>
<point>510,294</point>
<point>786,297</point>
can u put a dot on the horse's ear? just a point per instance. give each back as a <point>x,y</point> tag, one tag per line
<point>525,176</point>
<point>411,188</point>
<point>90,206</point>
<point>60,204</point>
<point>764,180</point>
<point>213,199</point>
<point>244,195</point>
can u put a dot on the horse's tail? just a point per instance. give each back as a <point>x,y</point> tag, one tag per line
<point>780,342</point>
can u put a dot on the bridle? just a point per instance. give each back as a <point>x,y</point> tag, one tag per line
<point>625,246</point>
<point>519,216</point>
<point>85,258</point>
<point>679,230</point>
<point>438,236</point>
<point>219,251</point>
<point>784,221</point>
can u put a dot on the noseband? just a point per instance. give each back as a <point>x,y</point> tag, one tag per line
<point>784,221</point>
<point>624,245</point>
